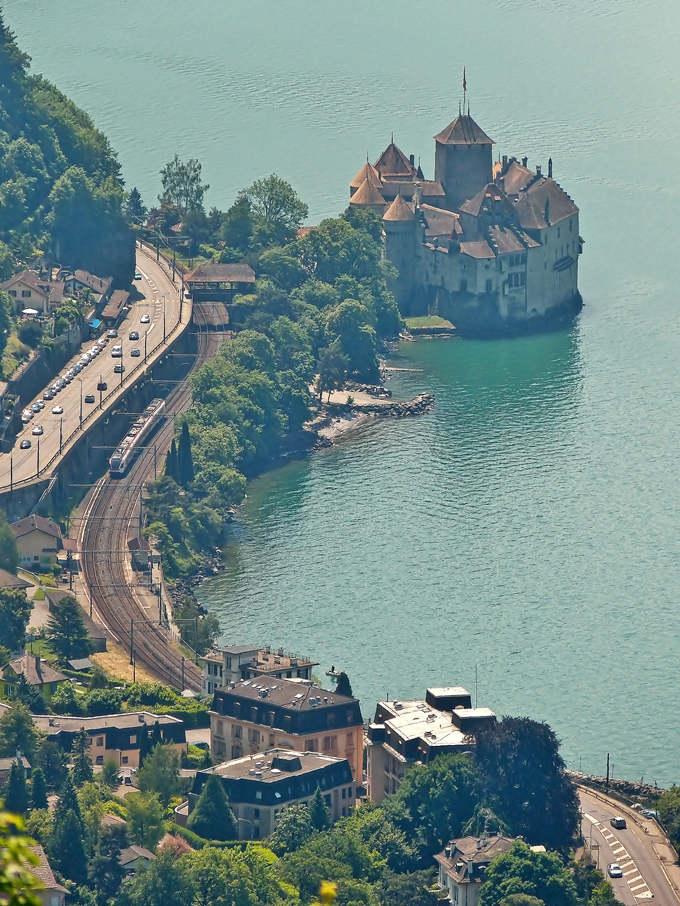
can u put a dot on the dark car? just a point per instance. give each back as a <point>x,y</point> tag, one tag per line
<point>133,335</point>
<point>89,397</point>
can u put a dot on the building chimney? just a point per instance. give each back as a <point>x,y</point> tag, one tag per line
<point>550,168</point>
<point>538,170</point>
<point>412,158</point>
<point>524,161</point>
<point>418,193</point>
<point>505,162</point>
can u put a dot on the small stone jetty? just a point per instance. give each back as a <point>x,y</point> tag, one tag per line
<point>417,406</point>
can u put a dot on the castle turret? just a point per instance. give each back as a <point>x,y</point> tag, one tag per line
<point>368,172</point>
<point>463,162</point>
<point>368,196</point>
<point>399,227</point>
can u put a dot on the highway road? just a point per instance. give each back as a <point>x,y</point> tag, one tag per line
<point>158,299</point>
<point>633,848</point>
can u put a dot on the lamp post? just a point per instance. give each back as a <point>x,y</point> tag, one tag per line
<point>80,418</point>
<point>11,476</point>
<point>146,334</point>
<point>38,458</point>
<point>122,366</point>
<point>164,319</point>
<point>61,432</point>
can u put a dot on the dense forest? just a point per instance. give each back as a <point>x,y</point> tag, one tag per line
<point>61,192</point>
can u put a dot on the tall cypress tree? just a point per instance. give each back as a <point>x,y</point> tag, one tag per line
<point>185,463</point>
<point>319,811</point>
<point>38,789</point>
<point>67,847</point>
<point>68,802</point>
<point>172,462</point>
<point>82,764</point>
<point>16,794</point>
<point>106,873</point>
<point>212,818</point>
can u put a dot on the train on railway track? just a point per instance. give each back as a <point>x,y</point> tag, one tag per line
<point>123,455</point>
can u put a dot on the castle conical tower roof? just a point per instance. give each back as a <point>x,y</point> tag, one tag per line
<point>367,194</point>
<point>399,210</point>
<point>368,172</point>
<point>463,131</point>
<point>393,162</point>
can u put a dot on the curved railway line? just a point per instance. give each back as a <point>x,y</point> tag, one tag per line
<point>112,506</point>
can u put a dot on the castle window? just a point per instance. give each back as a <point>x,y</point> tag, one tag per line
<point>571,225</point>
<point>558,232</point>
<point>463,286</point>
<point>523,258</point>
<point>489,286</point>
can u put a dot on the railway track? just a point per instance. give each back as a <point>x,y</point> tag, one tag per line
<point>113,506</point>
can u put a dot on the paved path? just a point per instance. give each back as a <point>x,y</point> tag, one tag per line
<point>640,849</point>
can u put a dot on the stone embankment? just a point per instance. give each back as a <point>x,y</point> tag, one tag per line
<point>417,406</point>
<point>627,789</point>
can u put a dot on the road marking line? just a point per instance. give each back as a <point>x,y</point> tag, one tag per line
<point>637,887</point>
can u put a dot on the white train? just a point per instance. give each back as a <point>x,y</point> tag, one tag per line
<point>125,451</point>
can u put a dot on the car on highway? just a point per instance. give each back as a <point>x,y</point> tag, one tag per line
<point>138,276</point>
<point>57,410</point>
<point>26,416</point>
<point>118,368</point>
<point>117,352</point>
<point>35,408</point>
<point>111,334</point>
<point>41,403</point>
<point>77,367</point>
<point>145,319</point>
<point>25,444</point>
<point>135,353</point>
<point>68,377</point>
<point>37,429</point>
<point>48,394</point>
<point>85,359</point>
<point>133,335</point>
<point>618,821</point>
<point>650,813</point>
<point>614,870</point>
<point>89,397</point>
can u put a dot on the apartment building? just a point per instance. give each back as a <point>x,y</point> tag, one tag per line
<point>253,715</point>
<point>260,787</point>
<point>222,666</point>
<point>404,733</point>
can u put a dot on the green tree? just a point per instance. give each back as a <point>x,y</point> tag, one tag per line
<point>160,773</point>
<point>521,871</point>
<point>524,780</point>
<point>668,807</point>
<point>68,802</point>
<point>29,695</point>
<point>145,819</point>
<point>332,368</point>
<point>343,686</point>
<point>98,678</point>
<point>182,186</point>
<point>521,899</point>
<point>349,322</point>
<point>335,249</point>
<point>134,206</point>
<point>110,773</point>
<point>105,872</point>
<point>38,789</point>
<point>82,763</point>
<point>67,847</point>
<point>15,612</point>
<point>54,763</point>
<point>65,700</point>
<point>414,888</point>
<point>212,818</point>
<point>238,225</point>
<point>39,826</point>
<point>164,883</point>
<point>220,878</point>
<point>294,828</point>
<point>9,553</point>
<point>276,206</point>
<point>66,630</point>
<point>319,813</point>
<point>185,463</point>
<point>17,731</point>
<point>18,884</point>
<point>434,801</point>
<point>16,793</point>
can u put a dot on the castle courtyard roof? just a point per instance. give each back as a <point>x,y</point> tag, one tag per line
<point>366,195</point>
<point>368,172</point>
<point>544,197</point>
<point>393,162</point>
<point>474,205</point>
<point>505,240</point>
<point>463,131</point>
<point>480,248</point>
<point>517,178</point>
<point>399,210</point>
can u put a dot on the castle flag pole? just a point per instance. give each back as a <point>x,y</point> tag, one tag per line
<point>464,89</point>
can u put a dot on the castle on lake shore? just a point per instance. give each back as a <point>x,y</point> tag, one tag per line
<point>491,246</point>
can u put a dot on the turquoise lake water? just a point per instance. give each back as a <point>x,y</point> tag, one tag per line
<point>529,524</point>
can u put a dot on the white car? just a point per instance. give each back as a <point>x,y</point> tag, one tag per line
<point>35,408</point>
<point>57,410</point>
<point>615,870</point>
<point>119,368</point>
<point>117,352</point>
<point>37,429</point>
<point>26,416</point>
<point>145,319</point>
